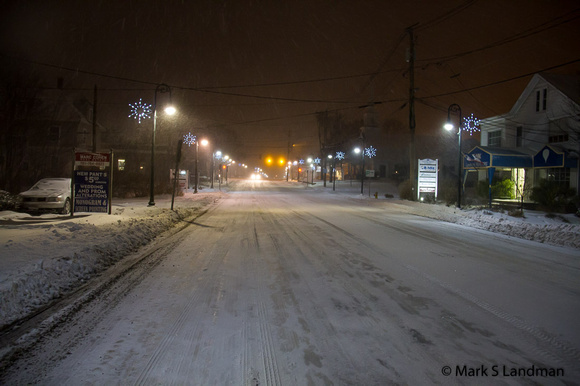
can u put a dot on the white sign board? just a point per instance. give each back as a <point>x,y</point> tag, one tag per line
<point>427,177</point>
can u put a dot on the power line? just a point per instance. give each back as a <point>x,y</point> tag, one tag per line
<point>521,35</point>
<point>502,81</point>
<point>461,7</point>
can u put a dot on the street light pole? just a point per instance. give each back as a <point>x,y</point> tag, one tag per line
<point>204,142</point>
<point>362,174</point>
<point>455,108</point>
<point>160,88</point>
<point>196,173</point>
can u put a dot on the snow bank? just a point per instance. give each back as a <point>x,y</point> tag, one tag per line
<point>560,230</point>
<point>44,260</point>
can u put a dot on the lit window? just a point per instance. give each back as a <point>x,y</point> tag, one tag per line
<point>121,164</point>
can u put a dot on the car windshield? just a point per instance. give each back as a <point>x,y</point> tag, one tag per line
<point>48,184</point>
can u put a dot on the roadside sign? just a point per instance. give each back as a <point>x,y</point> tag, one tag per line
<point>92,182</point>
<point>91,191</point>
<point>427,177</point>
<point>99,160</point>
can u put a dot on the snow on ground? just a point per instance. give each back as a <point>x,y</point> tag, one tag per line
<point>43,257</point>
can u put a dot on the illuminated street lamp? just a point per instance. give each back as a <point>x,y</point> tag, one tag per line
<point>331,172</point>
<point>218,155</point>
<point>357,150</point>
<point>449,126</point>
<point>204,142</point>
<point>169,110</point>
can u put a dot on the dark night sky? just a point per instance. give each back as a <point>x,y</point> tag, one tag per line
<point>262,68</point>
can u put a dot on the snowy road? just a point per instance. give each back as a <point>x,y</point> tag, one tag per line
<point>281,285</point>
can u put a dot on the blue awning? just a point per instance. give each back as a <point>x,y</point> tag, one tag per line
<point>483,157</point>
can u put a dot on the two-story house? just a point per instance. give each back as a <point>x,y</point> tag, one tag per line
<point>539,138</point>
<point>41,134</point>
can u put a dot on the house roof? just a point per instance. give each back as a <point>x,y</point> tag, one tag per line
<point>568,85</point>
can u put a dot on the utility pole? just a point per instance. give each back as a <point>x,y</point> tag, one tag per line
<point>95,120</point>
<point>288,158</point>
<point>412,154</point>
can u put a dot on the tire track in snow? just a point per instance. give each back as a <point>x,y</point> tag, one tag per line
<point>182,328</point>
<point>320,335</point>
<point>268,349</point>
<point>567,355</point>
<point>571,356</point>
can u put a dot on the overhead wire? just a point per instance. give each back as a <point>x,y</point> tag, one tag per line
<point>518,36</point>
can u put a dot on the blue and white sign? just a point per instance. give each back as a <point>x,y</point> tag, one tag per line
<point>427,180</point>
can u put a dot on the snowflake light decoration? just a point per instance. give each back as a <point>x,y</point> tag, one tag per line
<point>339,155</point>
<point>140,110</point>
<point>301,162</point>
<point>370,151</point>
<point>317,160</point>
<point>470,124</point>
<point>189,139</point>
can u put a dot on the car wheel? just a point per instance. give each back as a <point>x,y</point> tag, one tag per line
<point>66,208</point>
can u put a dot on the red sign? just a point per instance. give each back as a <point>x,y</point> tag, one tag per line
<point>92,159</point>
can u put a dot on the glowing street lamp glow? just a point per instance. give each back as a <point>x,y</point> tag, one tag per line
<point>170,110</point>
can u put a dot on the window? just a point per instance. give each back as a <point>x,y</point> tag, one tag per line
<point>494,138</point>
<point>544,100</point>
<point>121,164</point>
<point>519,136</point>
<point>54,133</point>
<point>559,175</point>
<point>558,138</point>
<point>541,99</point>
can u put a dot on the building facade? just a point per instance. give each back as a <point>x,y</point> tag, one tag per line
<point>539,138</point>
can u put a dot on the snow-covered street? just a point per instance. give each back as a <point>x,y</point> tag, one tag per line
<point>275,283</point>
